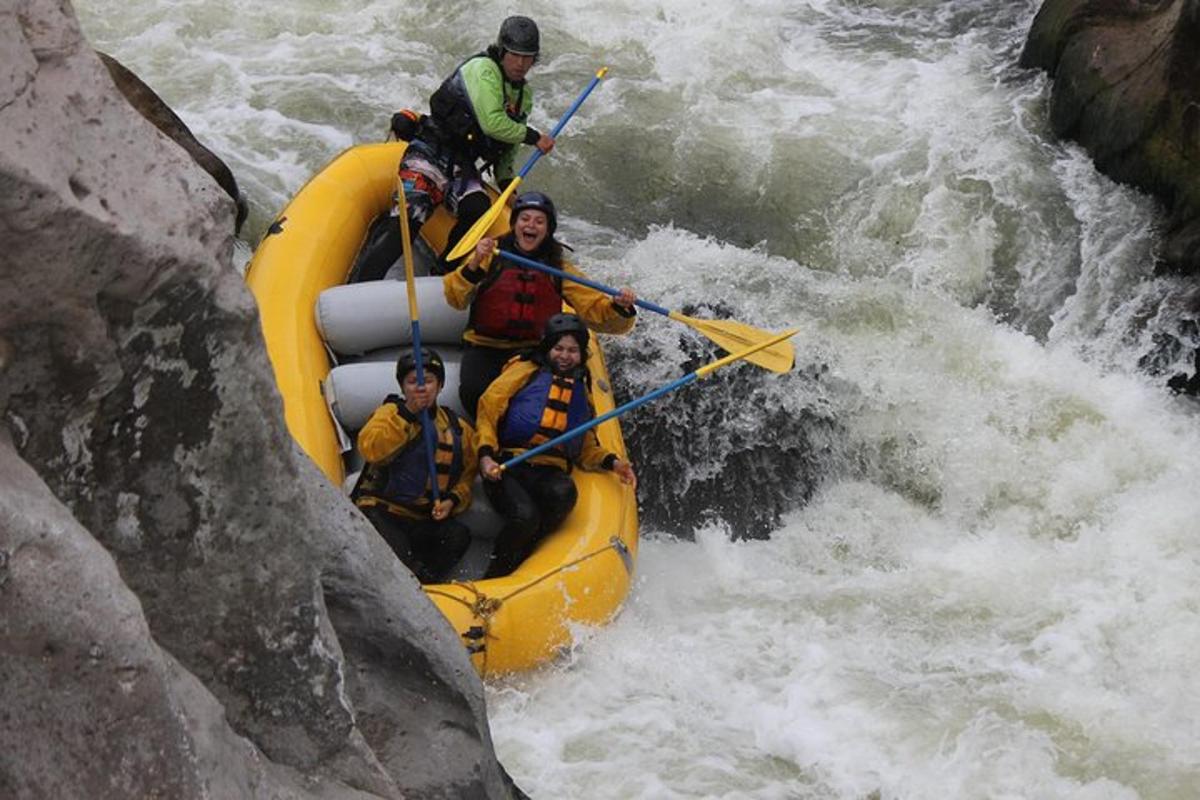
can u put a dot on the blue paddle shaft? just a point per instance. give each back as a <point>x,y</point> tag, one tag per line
<point>537,153</point>
<point>426,427</point>
<point>600,287</point>
<point>587,426</point>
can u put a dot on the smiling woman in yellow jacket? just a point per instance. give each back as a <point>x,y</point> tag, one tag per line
<point>510,303</point>
<point>536,398</point>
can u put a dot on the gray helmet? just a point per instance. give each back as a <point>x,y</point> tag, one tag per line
<point>519,35</point>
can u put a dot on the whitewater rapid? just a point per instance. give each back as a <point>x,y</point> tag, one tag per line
<point>992,590</point>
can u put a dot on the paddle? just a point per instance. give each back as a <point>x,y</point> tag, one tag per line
<point>415,316</point>
<point>703,372</point>
<point>728,334</point>
<point>484,223</point>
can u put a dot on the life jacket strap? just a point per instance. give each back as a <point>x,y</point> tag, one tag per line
<point>554,416</point>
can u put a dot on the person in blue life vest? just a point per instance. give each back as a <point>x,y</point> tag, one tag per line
<point>510,303</point>
<point>538,396</point>
<point>476,122</point>
<point>395,492</point>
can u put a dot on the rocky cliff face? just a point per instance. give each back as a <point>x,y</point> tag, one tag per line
<point>1127,87</point>
<point>187,608</point>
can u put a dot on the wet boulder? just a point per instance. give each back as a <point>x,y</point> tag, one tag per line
<point>737,449</point>
<point>1127,87</point>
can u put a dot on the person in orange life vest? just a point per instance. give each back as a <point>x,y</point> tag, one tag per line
<point>510,303</point>
<point>395,492</point>
<point>537,397</point>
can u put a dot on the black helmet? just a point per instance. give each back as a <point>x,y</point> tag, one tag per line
<point>430,360</point>
<point>535,200</point>
<point>519,35</point>
<point>560,325</point>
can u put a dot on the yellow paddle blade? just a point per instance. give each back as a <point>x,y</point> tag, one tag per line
<point>467,243</point>
<point>747,354</point>
<point>734,336</point>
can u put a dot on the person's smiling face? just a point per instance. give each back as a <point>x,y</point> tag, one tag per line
<point>531,229</point>
<point>565,355</point>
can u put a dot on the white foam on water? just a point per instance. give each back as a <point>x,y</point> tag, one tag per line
<point>1000,604</point>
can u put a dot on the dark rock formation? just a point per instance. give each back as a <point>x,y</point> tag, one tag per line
<point>1173,347</point>
<point>1127,87</point>
<point>187,607</point>
<point>159,114</point>
<point>735,449</point>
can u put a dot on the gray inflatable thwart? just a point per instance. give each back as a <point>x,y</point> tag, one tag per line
<point>359,317</point>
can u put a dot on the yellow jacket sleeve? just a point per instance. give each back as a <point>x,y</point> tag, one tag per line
<point>460,285</point>
<point>386,432</point>
<point>596,308</point>
<point>593,456</point>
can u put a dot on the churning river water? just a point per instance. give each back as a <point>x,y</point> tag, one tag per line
<point>992,589</point>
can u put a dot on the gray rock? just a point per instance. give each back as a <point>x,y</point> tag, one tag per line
<point>278,637</point>
<point>748,480</point>
<point>92,706</point>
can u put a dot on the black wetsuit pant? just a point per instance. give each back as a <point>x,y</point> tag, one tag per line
<point>384,243</point>
<point>534,500</point>
<point>480,366</point>
<point>429,548</point>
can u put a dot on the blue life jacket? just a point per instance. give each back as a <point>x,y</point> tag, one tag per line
<point>407,474</point>
<point>547,406</point>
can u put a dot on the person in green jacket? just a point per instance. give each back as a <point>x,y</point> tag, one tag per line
<point>476,122</point>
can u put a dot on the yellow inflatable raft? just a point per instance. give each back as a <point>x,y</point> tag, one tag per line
<point>580,574</point>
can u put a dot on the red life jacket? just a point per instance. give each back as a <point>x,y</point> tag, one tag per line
<point>514,302</point>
